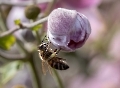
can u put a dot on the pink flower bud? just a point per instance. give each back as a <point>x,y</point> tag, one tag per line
<point>68,29</point>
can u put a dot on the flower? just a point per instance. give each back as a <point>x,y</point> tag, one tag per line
<point>90,9</point>
<point>114,48</point>
<point>81,3</point>
<point>105,75</point>
<point>67,29</point>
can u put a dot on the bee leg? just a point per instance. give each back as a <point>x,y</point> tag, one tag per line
<point>43,38</point>
<point>48,40</point>
<point>41,57</point>
<point>48,45</point>
<point>57,51</point>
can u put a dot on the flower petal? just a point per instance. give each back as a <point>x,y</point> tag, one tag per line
<point>68,29</point>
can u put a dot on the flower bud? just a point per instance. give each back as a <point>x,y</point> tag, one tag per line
<point>32,11</point>
<point>68,29</point>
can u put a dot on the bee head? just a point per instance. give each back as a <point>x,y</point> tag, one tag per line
<point>43,46</point>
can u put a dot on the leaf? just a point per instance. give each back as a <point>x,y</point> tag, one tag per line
<point>37,27</point>
<point>17,22</point>
<point>7,41</point>
<point>9,70</point>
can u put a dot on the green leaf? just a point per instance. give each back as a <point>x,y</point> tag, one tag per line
<point>37,27</point>
<point>9,70</point>
<point>17,21</point>
<point>7,41</point>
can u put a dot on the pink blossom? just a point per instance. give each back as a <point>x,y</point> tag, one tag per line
<point>68,29</point>
<point>107,75</point>
<point>90,10</point>
<point>82,3</point>
<point>114,48</point>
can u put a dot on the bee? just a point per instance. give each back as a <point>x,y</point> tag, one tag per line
<point>49,58</point>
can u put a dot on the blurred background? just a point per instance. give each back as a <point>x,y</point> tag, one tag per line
<point>95,65</point>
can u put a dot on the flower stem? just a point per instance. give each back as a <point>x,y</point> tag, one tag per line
<point>49,7</point>
<point>36,80</point>
<point>2,18</point>
<point>23,26</point>
<point>22,47</point>
<point>38,37</point>
<point>57,77</point>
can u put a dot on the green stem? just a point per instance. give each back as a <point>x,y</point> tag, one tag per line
<point>2,19</point>
<point>38,37</point>
<point>21,46</point>
<point>36,81</point>
<point>49,8</point>
<point>9,32</point>
<point>57,77</point>
<point>36,33</point>
<point>5,56</point>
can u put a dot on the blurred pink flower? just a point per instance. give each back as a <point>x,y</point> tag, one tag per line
<point>68,29</point>
<point>81,3</point>
<point>114,47</point>
<point>106,76</point>
<point>43,6</point>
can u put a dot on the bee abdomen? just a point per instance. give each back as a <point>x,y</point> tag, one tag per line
<point>58,64</point>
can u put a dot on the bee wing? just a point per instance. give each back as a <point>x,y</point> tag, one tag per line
<point>44,67</point>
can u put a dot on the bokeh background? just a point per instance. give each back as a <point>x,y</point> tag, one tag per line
<point>95,65</point>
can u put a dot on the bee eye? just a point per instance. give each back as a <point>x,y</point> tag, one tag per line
<point>40,46</point>
<point>45,44</point>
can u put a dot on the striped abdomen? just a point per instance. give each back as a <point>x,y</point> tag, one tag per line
<point>58,63</point>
